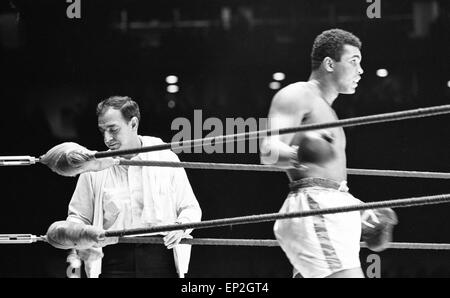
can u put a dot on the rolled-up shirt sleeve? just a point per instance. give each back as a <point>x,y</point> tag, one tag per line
<point>81,206</point>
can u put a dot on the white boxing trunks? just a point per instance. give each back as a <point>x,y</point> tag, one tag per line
<point>318,246</point>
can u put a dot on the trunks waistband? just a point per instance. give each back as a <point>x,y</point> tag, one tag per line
<point>322,182</point>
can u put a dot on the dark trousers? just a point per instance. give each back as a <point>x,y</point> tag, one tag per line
<point>124,260</point>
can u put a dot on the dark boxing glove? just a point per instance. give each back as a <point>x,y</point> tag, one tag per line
<point>377,226</point>
<point>316,147</point>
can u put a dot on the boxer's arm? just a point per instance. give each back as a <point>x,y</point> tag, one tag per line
<point>287,110</point>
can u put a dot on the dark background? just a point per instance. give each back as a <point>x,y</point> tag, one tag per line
<point>55,69</point>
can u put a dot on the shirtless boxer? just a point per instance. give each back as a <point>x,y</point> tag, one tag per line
<point>315,162</point>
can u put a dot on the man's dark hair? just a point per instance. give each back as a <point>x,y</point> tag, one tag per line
<point>330,43</point>
<point>128,107</point>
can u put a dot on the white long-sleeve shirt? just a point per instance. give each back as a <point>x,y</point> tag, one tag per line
<point>124,197</point>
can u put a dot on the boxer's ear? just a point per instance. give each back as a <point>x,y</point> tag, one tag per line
<point>328,64</point>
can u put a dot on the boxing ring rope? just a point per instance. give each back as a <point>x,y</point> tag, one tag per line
<point>26,160</point>
<point>272,243</point>
<point>396,173</point>
<point>266,168</point>
<point>364,120</point>
<point>398,203</point>
<point>29,238</point>
<point>379,118</point>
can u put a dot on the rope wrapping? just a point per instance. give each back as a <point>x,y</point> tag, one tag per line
<point>399,203</point>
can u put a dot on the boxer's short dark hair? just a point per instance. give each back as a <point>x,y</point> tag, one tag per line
<point>330,43</point>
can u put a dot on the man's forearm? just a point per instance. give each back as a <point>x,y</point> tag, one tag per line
<point>188,216</point>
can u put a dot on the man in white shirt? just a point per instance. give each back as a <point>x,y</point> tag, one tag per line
<point>126,197</point>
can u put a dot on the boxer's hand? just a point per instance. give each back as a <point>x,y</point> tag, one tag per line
<point>377,226</point>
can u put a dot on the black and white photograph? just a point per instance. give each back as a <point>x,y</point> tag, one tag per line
<point>220,146</point>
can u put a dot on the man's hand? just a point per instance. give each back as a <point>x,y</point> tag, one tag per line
<point>173,238</point>
<point>102,242</point>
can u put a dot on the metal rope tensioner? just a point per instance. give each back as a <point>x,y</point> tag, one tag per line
<point>20,238</point>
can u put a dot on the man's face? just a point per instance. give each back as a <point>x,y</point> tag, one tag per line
<point>348,71</point>
<point>117,132</point>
